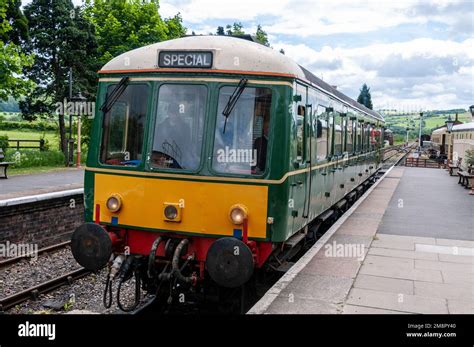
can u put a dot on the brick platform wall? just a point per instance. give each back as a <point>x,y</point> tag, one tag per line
<point>43,222</point>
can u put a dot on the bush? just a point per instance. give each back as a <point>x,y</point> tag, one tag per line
<point>33,158</point>
<point>4,142</point>
<point>470,157</point>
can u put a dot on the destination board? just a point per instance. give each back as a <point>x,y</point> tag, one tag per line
<point>185,59</point>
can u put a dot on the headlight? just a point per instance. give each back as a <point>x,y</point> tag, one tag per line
<point>114,203</point>
<point>171,212</point>
<point>237,214</point>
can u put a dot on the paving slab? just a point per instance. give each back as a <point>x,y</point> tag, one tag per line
<point>445,290</point>
<point>460,306</point>
<point>401,253</point>
<point>468,269</point>
<point>456,258</point>
<point>397,302</point>
<point>402,273</point>
<point>457,277</point>
<point>353,309</point>
<point>384,284</point>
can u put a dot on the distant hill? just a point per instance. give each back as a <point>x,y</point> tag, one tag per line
<point>398,122</point>
<point>9,106</point>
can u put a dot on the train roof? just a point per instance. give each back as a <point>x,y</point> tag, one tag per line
<point>440,130</point>
<point>230,55</point>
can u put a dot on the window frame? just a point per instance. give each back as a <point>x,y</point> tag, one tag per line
<point>148,115</point>
<point>154,118</point>
<point>212,123</point>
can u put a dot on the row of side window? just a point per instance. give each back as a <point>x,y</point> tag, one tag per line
<point>325,128</point>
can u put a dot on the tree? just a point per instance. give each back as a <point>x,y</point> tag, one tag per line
<point>123,25</point>
<point>235,29</point>
<point>175,27</point>
<point>18,23</point>
<point>364,97</point>
<point>61,38</point>
<point>262,36</point>
<point>12,58</point>
<point>220,31</point>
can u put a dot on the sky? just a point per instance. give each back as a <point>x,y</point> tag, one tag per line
<point>413,54</point>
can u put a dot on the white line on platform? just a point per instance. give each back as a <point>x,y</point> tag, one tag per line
<point>264,303</point>
<point>444,249</point>
<point>40,197</point>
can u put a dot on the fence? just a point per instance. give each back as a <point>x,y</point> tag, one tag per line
<point>39,142</point>
<point>428,163</point>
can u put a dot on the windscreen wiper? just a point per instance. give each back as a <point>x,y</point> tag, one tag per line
<point>233,100</point>
<point>113,97</point>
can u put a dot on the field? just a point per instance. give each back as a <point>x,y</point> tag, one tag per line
<point>431,121</point>
<point>51,137</point>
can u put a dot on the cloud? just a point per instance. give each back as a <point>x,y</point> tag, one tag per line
<point>423,73</point>
<point>307,18</point>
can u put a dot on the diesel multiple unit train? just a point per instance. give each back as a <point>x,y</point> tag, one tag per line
<point>212,157</point>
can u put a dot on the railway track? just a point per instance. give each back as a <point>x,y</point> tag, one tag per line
<point>394,155</point>
<point>35,291</point>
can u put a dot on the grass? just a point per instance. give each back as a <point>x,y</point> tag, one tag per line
<point>51,136</point>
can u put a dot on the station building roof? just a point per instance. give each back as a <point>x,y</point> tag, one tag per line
<point>464,127</point>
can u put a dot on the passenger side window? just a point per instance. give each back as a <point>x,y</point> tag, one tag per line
<point>300,132</point>
<point>338,134</point>
<point>349,134</point>
<point>322,134</point>
<point>359,136</point>
<point>330,115</point>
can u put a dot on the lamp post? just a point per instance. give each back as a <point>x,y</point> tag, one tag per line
<point>80,100</point>
<point>449,128</point>
<point>419,135</point>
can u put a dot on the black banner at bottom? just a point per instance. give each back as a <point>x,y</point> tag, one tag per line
<point>67,330</point>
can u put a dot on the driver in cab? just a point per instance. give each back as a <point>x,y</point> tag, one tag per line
<point>171,146</point>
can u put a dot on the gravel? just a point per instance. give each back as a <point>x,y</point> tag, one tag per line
<point>27,273</point>
<point>83,294</point>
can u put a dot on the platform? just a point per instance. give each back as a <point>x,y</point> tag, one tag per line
<point>33,184</point>
<point>407,246</point>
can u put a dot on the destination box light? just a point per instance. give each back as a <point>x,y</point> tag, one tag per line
<point>188,59</point>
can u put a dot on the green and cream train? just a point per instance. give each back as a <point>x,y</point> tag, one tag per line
<point>210,155</point>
